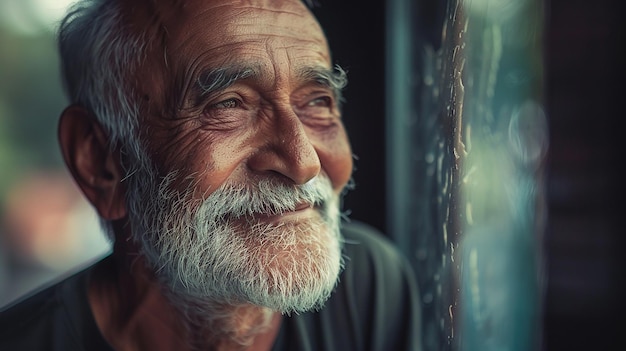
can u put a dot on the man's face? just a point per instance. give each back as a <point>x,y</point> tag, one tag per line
<point>243,129</point>
<point>276,118</point>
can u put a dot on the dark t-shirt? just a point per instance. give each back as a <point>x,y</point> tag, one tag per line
<point>375,307</point>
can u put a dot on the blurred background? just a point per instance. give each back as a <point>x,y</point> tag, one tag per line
<point>47,230</point>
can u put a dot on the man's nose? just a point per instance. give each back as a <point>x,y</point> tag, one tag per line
<point>287,149</point>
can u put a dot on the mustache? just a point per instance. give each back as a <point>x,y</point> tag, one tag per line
<point>266,197</point>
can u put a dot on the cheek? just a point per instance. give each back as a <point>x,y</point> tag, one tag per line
<point>202,162</point>
<point>336,159</point>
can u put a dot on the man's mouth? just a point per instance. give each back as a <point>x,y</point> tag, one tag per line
<point>303,206</point>
<point>301,211</point>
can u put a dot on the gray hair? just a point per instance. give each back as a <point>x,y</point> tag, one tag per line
<point>99,51</point>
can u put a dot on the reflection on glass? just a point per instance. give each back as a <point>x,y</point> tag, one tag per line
<point>468,130</point>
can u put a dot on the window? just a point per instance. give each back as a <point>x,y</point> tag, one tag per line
<point>467,138</point>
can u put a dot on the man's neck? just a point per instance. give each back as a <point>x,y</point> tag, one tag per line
<point>133,313</point>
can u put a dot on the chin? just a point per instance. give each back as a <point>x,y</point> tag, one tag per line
<point>292,266</point>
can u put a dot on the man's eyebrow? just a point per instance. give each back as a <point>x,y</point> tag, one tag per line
<point>221,78</point>
<point>335,79</point>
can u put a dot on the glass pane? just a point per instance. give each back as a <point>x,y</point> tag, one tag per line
<point>467,141</point>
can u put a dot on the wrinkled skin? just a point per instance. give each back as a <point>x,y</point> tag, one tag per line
<point>276,122</point>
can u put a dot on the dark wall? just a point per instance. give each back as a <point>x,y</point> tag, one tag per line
<point>585,237</point>
<point>356,34</point>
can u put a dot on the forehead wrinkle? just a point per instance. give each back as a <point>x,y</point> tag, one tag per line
<point>239,29</point>
<point>187,31</point>
<point>235,18</point>
<point>296,8</point>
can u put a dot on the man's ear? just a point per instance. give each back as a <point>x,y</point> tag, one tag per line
<point>96,168</point>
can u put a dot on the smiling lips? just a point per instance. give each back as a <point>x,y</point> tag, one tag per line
<point>302,210</point>
<point>303,206</point>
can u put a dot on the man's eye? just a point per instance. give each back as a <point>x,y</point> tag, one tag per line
<point>230,103</point>
<point>324,101</point>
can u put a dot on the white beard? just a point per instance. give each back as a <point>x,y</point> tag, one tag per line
<point>216,252</point>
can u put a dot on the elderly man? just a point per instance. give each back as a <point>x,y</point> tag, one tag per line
<point>208,137</point>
